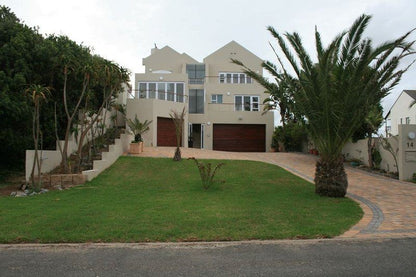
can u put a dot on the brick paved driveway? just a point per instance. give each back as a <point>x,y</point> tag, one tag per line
<point>389,205</point>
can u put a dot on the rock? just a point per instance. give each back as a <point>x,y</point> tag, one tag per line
<point>43,191</point>
<point>33,193</point>
<point>20,194</point>
<point>26,191</point>
<point>23,187</point>
<point>13,194</point>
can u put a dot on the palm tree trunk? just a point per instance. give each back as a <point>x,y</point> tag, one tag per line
<point>177,156</point>
<point>330,178</point>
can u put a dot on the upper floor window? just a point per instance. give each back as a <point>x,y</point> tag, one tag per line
<point>407,120</point>
<point>246,103</point>
<point>162,91</point>
<point>234,78</point>
<point>196,73</point>
<point>196,101</point>
<point>216,98</point>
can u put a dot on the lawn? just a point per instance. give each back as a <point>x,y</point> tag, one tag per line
<point>155,199</point>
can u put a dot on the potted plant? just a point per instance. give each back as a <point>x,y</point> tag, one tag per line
<point>138,129</point>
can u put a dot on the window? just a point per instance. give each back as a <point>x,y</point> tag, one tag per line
<point>234,78</point>
<point>162,91</point>
<point>216,98</point>
<point>407,120</point>
<point>196,101</point>
<point>246,103</point>
<point>152,90</point>
<point>179,92</point>
<point>170,91</point>
<point>196,73</point>
<point>142,90</point>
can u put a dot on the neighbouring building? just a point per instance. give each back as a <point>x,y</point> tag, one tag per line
<point>401,112</point>
<point>224,106</point>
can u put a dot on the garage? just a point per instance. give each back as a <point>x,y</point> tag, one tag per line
<point>166,135</point>
<point>239,137</point>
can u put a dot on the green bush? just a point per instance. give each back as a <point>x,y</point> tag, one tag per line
<point>291,136</point>
<point>376,158</point>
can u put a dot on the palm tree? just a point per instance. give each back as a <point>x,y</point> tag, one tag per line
<point>37,94</point>
<point>138,128</point>
<point>178,119</point>
<point>281,95</point>
<point>337,90</point>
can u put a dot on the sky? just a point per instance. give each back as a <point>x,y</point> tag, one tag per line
<point>124,31</point>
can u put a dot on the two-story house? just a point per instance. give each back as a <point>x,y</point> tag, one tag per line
<point>224,106</point>
<point>401,112</point>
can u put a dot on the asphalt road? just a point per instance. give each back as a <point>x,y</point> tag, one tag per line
<point>388,257</point>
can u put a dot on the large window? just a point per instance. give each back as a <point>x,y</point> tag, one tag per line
<point>162,91</point>
<point>196,73</point>
<point>246,103</point>
<point>196,101</point>
<point>234,78</point>
<point>216,98</point>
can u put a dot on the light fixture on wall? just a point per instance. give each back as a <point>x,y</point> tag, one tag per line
<point>228,93</point>
<point>150,69</point>
<point>160,78</point>
<point>208,123</point>
<point>240,118</point>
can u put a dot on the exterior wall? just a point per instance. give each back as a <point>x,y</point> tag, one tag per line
<point>358,151</point>
<point>400,109</point>
<point>151,109</point>
<point>407,151</point>
<point>167,59</point>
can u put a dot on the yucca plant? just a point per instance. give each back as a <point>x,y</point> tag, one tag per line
<point>336,92</point>
<point>178,119</point>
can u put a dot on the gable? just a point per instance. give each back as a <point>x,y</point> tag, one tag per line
<point>233,50</point>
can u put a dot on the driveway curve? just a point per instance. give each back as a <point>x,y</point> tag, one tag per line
<point>389,205</point>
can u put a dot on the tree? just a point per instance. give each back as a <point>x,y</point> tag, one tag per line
<point>336,91</point>
<point>178,119</point>
<point>368,128</point>
<point>281,95</point>
<point>38,94</point>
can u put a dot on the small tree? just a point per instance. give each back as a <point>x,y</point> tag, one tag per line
<point>207,172</point>
<point>389,148</point>
<point>178,119</point>
<point>38,94</point>
<point>138,128</point>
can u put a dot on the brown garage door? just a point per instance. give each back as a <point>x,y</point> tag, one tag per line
<point>165,132</point>
<point>240,137</point>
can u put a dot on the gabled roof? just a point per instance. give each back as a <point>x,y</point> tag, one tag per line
<point>232,44</point>
<point>411,93</point>
<point>169,50</point>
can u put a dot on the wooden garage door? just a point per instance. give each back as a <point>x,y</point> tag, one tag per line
<point>165,132</point>
<point>240,137</point>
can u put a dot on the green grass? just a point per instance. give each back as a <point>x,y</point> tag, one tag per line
<point>149,199</point>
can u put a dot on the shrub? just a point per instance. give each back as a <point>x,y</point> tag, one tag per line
<point>291,136</point>
<point>376,158</point>
<point>206,172</point>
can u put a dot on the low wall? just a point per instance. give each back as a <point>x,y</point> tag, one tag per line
<point>358,150</point>
<point>50,159</point>
<point>120,146</point>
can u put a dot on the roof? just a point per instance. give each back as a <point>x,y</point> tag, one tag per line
<point>410,92</point>
<point>232,43</point>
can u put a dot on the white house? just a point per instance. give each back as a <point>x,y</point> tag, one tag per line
<point>401,112</point>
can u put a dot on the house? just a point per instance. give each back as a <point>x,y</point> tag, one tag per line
<point>224,106</point>
<point>401,112</point>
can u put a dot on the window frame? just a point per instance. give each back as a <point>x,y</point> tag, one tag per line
<point>254,106</point>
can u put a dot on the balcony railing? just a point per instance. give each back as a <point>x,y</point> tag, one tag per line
<point>196,81</point>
